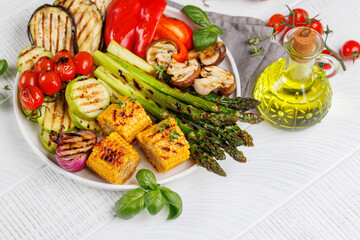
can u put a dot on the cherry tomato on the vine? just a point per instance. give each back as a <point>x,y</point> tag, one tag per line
<point>327,66</point>
<point>348,48</point>
<point>83,63</point>
<point>317,26</point>
<point>299,16</point>
<point>276,22</point>
<point>28,78</point>
<point>44,64</point>
<point>62,53</point>
<point>49,82</point>
<point>31,97</point>
<point>65,68</point>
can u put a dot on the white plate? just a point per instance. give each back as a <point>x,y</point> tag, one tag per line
<point>31,132</point>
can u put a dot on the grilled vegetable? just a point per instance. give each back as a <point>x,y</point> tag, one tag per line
<point>29,114</point>
<point>114,95</point>
<point>73,149</point>
<point>86,97</point>
<point>184,74</point>
<point>126,117</point>
<point>49,145</point>
<point>55,114</point>
<point>29,56</point>
<point>114,159</point>
<point>102,6</point>
<point>53,27</point>
<point>215,79</point>
<point>160,52</point>
<point>164,145</point>
<point>84,124</point>
<point>88,23</point>
<point>213,55</point>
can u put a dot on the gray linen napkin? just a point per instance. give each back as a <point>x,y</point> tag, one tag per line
<point>237,31</point>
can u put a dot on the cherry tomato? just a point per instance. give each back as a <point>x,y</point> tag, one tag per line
<point>299,16</point>
<point>83,63</point>
<point>65,68</point>
<point>349,48</point>
<point>49,82</point>
<point>287,30</point>
<point>326,66</point>
<point>28,78</point>
<point>275,22</point>
<point>62,53</point>
<point>31,97</point>
<point>317,26</point>
<point>44,64</point>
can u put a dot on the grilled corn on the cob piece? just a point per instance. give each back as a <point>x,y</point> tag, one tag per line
<point>164,145</point>
<point>126,117</point>
<point>114,159</point>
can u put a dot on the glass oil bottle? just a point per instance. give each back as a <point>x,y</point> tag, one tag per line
<point>295,92</point>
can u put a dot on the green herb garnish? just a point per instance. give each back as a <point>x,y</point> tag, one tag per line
<point>123,104</point>
<point>174,135</point>
<point>3,66</point>
<point>6,87</point>
<point>151,195</point>
<point>207,36</point>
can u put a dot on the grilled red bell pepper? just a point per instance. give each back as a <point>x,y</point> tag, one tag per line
<point>132,23</point>
<point>163,32</point>
<point>179,28</point>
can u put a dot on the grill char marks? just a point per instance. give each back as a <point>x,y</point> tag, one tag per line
<point>88,23</point>
<point>52,27</point>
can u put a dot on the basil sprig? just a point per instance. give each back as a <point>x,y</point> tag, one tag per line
<point>153,199</point>
<point>207,36</point>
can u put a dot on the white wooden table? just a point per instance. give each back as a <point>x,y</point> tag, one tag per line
<point>302,185</point>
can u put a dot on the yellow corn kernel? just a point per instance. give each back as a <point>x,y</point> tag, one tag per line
<point>127,120</point>
<point>114,159</point>
<point>163,152</point>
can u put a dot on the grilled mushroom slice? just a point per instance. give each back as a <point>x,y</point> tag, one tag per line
<point>183,74</point>
<point>215,79</point>
<point>159,52</point>
<point>213,55</point>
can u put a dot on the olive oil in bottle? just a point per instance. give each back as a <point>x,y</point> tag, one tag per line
<point>295,92</point>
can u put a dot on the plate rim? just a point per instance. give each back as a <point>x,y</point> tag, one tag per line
<point>89,182</point>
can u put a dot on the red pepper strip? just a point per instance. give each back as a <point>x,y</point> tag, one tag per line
<point>163,32</point>
<point>121,20</point>
<point>180,29</point>
<point>151,11</point>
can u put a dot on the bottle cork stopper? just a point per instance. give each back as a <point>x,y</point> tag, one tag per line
<point>304,40</point>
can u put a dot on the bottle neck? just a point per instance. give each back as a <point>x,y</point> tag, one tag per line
<point>298,70</point>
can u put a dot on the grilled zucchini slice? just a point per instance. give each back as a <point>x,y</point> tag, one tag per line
<point>47,143</point>
<point>84,124</point>
<point>86,97</point>
<point>29,56</point>
<point>88,23</point>
<point>53,27</point>
<point>55,114</point>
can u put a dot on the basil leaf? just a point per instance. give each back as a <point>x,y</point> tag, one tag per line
<point>216,29</point>
<point>3,66</point>
<point>154,201</point>
<point>197,15</point>
<point>174,200</point>
<point>130,204</point>
<point>204,38</point>
<point>146,179</point>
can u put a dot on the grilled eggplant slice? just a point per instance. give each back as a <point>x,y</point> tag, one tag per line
<point>88,23</point>
<point>87,97</point>
<point>29,56</point>
<point>102,6</point>
<point>54,114</point>
<point>53,28</point>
